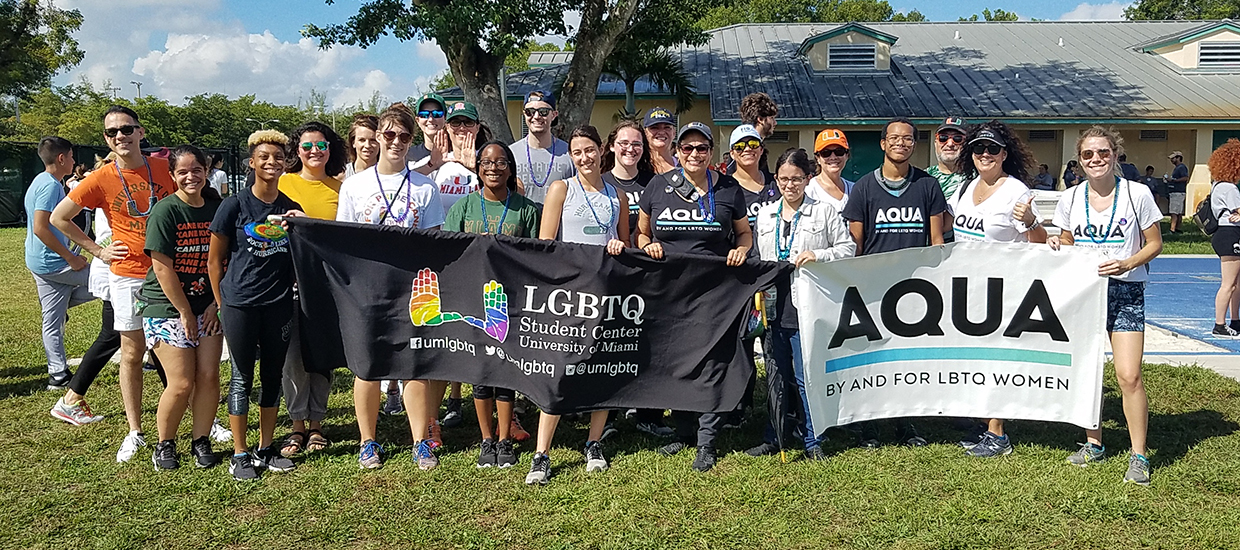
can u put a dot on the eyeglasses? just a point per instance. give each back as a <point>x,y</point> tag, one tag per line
<point>791,181</point>
<point>629,145</point>
<point>431,114</point>
<point>690,149</point>
<point>308,145</point>
<point>127,129</point>
<point>540,111</point>
<point>461,123</point>
<point>992,148</point>
<point>1088,154</point>
<point>501,164</point>
<point>391,136</point>
<point>833,152</point>
<point>748,144</point>
<point>906,140</point>
<point>957,138</point>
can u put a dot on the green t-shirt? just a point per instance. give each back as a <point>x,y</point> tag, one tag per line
<point>467,215</point>
<point>179,231</point>
<point>948,181</point>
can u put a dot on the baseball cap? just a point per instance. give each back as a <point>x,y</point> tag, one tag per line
<point>1175,154</point>
<point>463,108</point>
<point>658,115</point>
<point>952,123</point>
<point>986,134</point>
<point>829,137</point>
<point>744,131</point>
<point>541,96</point>
<point>695,127</point>
<point>429,97</point>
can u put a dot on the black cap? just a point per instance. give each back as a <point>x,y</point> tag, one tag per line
<point>987,135</point>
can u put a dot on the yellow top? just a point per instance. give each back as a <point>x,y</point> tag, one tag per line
<point>318,199</point>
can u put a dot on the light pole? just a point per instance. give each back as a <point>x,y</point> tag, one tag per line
<point>113,89</point>
<point>262,124</point>
<point>139,85</point>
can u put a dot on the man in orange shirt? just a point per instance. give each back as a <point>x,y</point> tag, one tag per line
<point>127,190</point>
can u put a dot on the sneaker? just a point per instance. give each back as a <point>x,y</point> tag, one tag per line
<point>1138,470</point>
<point>672,448</point>
<point>1222,331</point>
<point>910,437</point>
<point>516,432</point>
<point>655,429</point>
<point>971,440</point>
<point>436,433</point>
<point>77,414</point>
<point>371,456</point>
<point>59,381</point>
<point>595,461</point>
<point>867,434</point>
<point>630,413</point>
<point>393,406</point>
<point>520,405</point>
<point>540,470</point>
<point>165,455</point>
<point>815,453</point>
<point>452,415</point>
<point>486,453</point>
<point>1235,325</point>
<point>132,442</point>
<point>241,467</point>
<point>505,454</point>
<point>274,461</point>
<point>200,449</point>
<point>424,455</point>
<point>219,433</point>
<point>764,449</point>
<point>705,459</point>
<point>609,429</point>
<point>1086,454</point>
<point>991,446</point>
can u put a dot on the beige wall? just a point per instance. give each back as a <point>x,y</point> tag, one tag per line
<point>1185,55</point>
<point>817,53</point>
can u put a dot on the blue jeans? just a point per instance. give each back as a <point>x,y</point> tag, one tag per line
<point>786,354</point>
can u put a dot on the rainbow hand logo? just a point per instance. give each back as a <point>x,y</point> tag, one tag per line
<point>425,309</point>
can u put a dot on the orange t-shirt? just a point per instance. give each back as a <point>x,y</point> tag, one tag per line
<point>102,188</point>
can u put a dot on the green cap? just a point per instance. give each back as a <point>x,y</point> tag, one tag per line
<point>429,97</point>
<point>463,108</point>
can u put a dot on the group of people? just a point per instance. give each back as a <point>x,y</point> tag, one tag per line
<point>188,271</point>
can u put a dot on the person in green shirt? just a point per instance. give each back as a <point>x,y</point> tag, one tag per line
<point>948,144</point>
<point>179,313</point>
<point>497,208</point>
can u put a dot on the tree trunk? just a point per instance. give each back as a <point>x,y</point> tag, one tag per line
<point>477,73</point>
<point>595,40</point>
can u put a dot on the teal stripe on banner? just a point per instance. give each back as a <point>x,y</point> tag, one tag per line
<point>682,224</point>
<point>950,354</point>
<point>970,233</point>
<point>887,225</point>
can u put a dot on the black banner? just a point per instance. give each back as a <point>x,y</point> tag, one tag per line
<point>569,326</point>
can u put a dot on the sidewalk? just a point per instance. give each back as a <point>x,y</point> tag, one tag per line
<point>1166,347</point>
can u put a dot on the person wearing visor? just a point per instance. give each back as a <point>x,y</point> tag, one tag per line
<point>541,157</point>
<point>714,206</point>
<point>832,154</point>
<point>948,146</point>
<point>660,127</point>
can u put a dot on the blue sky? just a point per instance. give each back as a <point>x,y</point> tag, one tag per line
<point>179,48</point>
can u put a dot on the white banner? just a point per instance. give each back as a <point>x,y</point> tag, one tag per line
<point>981,330</point>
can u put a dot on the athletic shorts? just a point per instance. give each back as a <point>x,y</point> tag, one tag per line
<point>1176,203</point>
<point>124,293</point>
<point>1125,306</point>
<point>1226,241</point>
<point>172,332</point>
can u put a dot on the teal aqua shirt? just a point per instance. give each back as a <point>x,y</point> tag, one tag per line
<point>44,194</point>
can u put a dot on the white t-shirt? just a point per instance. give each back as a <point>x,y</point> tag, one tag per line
<point>413,199</point>
<point>455,183</point>
<point>1225,199</point>
<point>98,282</point>
<point>992,220</point>
<point>815,191</point>
<point>1117,235</point>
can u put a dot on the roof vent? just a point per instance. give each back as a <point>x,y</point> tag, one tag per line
<point>851,56</point>
<point>957,35</point>
<point>1061,42</point>
<point>1219,55</point>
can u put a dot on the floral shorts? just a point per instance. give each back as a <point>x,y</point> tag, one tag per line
<point>1125,306</point>
<point>170,331</point>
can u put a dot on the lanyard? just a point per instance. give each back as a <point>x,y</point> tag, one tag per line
<point>784,251</point>
<point>530,160</point>
<point>388,204</point>
<point>709,217</point>
<point>486,225</point>
<point>1110,224</point>
<point>150,187</point>
<point>612,218</point>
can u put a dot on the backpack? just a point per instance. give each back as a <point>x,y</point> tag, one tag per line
<point>1205,217</point>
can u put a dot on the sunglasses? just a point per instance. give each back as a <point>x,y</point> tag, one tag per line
<point>992,148</point>
<point>540,111</point>
<point>1088,154</point>
<point>689,149</point>
<point>308,145</point>
<point>461,123</point>
<point>431,114</point>
<point>748,144</point>
<point>391,136</point>
<point>944,138</point>
<point>833,152</point>
<point>127,129</point>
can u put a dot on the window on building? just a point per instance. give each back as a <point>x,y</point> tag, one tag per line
<point>779,137</point>
<point>923,135</point>
<point>1153,135</point>
<point>851,56</point>
<point>1041,135</point>
<point>1218,54</point>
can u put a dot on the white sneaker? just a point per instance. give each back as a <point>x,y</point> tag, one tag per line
<point>76,414</point>
<point>130,445</point>
<point>219,433</point>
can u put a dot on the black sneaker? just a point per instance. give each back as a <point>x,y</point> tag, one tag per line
<point>540,470</point>
<point>867,434</point>
<point>486,453</point>
<point>59,381</point>
<point>1235,325</point>
<point>242,467</point>
<point>165,455</point>
<point>765,449</point>
<point>505,454</point>
<point>910,437</point>
<point>452,415</point>
<point>672,448</point>
<point>1224,331</point>
<point>609,429</point>
<point>815,453</point>
<point>595,460</point>
<point>200,449</point>
<point>705,459</point>
<point>274,461</point>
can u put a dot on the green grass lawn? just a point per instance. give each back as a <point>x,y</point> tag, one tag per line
<point>1189,240</point>
<point>62,488</point>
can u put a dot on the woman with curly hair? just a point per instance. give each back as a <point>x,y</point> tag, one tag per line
<point>1225,202</point>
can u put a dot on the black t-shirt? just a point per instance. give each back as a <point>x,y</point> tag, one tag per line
<point>417,153</point>
<point>895,222</point>
<point>632,190</point>
<point>260,267</point>
<point>1180,171</point>
<point>755,201</point>
<point>681,225</point>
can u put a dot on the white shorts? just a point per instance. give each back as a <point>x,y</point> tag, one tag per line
<point>124,294</point>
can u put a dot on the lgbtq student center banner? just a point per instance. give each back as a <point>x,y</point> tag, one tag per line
<point>977,330</point>
<point>569,326</point>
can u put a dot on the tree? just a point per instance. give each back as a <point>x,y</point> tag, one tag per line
<point>804,11</point>
<point>661,67</point>
<point>36,42</point>
<point>1183,9</point>
<point>997,15</point>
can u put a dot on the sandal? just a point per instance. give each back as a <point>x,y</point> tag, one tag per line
<point>317,441</point>
<point>293,444</point>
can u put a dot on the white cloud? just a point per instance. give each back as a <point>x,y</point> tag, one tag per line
<point>1113,11</point>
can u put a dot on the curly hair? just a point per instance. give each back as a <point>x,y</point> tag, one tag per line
<point>757,105</point>
<point>336,151</point>
<point>609,157</point>
<point>1019,161</point>
<point>274,137</point>
<point>1224,162</point>
<point>360,120</point>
